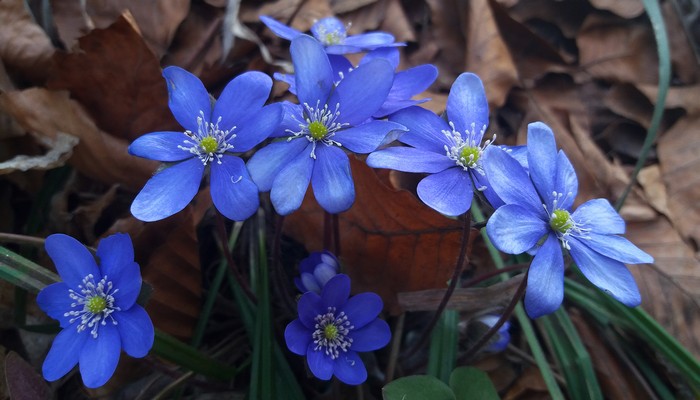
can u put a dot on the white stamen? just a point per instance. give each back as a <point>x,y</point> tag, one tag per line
<point>88,291</point>
<point>340,342</point>
<point>205,130</point>
<point>576,229</point>
<point>459,143</point>
<point>325,116</point>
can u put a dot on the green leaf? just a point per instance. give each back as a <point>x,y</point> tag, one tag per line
<point>443,346</point>
<point>188,357</point>
<point>24,273</point>
<point>417,387</point>
<point>472,383</point>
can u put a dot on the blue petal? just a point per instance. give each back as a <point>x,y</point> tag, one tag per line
<point>341,66</point>
<point>297,337</point>
<point>116,254</point>
<point>514,229</point>
<point>517,152</point>
<point>390,54</point>
<point>242,97</point>
<point>264,166</point>
<point>610,276</point>
<point>363,91</point>
<point>332,180</point>
<point>542,158</point>
<point>233,192</point>
<point>366,137</point>
<point>349,368</point>
<point>320,364</point>
<point>510,181</point>
<point>617,248</point>
<point>467,104</point>
<point>280,29</point>
<point>335,292</point>
<point>309,283</point>
<point>55,301</point>
<point>374,335</point>
<point>136,331</point>
<point>64,353</point>
<point>448,192</point>
<point>291,183</point>
<point>72,259</point>
<point>161,146</point>
<point>565,182</point>
<point>483,185</point>
<point>371,40</point>
<point>409,159</point>
<point>600,217</point>
<point>99,357</point>
<point>169,191</point>
<point>291,115</point>
<point>289,79</point>
<point>413,81</point>
<point>187,97</point>
<point>392,105</point>
<point>257,127</point>
<point>363,308</point>
<point>545,280</point>
<point>328,26</point>
<point>309,307</point>
<point>424,129</point>
<point>342,49</point>
<point>312,71</point>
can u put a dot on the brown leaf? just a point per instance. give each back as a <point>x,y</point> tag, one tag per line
<point>625,9</point>
<point>23,383</point>
<point>24,47</point>
<point>98,155</point>
<point>123,89</point>
<point>391,241</point>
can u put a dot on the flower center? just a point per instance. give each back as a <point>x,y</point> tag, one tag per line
<point>331,334</point>
<point>560,221</point>
<point>330,31</point>
<point>209,142</point>
<point>93,304</point>
<point>319,125</point>
<point>466,150</point>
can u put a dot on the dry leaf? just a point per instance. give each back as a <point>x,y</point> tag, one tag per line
<point>25,48</point>
<point>123,89</point>
<point>625,9</point>
<point>59,149</point>
<point>391,242</point>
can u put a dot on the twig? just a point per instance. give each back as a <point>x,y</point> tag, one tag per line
<point>223,238</point>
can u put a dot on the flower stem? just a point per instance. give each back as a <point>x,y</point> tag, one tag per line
<point>278,275</point>
<point>461,262</point>
<point>491,274</point>
<point>223,238</point>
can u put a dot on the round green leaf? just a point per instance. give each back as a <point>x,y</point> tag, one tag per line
<point>417,387</point>
<point>472,383</point>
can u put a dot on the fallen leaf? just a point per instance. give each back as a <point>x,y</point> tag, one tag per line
<point>391,241</point>
<point>59,149</point>
<point>23,383</point>
<point>625,9</point>
<point>25,49</point>
<point>123,90</point>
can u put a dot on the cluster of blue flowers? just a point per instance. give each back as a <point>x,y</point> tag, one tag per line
<point>342,108</point>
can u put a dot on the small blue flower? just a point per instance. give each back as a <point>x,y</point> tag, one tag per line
<point>331,32</point>
<point>331,329</point>
<point>501,339</point>
<point>538,218</point>
<point>328,118</point>
<point>451,153</point>
<point>315,271</point>
<point>407,84</point>
<point>237,123</point>
<point>96,307</point>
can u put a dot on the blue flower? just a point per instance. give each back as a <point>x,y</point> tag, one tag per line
<point>501,339</point>
<point>538,218</point>
<point>451,153</point>
<point>315,271</point>
<point>237,123</point>
<point>331,32</point>
<point>331,329</point>
<point>407,84</point>
<point>329,117</point>
<point>96,307</point>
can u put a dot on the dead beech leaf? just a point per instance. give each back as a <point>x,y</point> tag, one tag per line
<point>98,155</point>
<point>123,89</point>
<point>625,9</point>
<point>24,47</point>
<point>59,149</point>
<point>390,241</point>
<point>650,180</point>
<point>23,382</point>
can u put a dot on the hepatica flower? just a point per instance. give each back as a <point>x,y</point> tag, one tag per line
<point>237,123</point>
<point>451,152</point>
<point>315,271</point>
<point>96,307</point>
<point>331,32</point>
<point>314,132</point>
<point>538,216</point>
<point>502,337</point>
<point>332,329</point>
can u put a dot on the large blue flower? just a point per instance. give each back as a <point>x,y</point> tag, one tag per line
<point>314,131</point>
<point>407,83</point>
<point>237,123</point>
<point>331,32</point>
<point>538,217</point>
<point>96,307</point>
<point>452,153</point>
<point>331,329</point>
